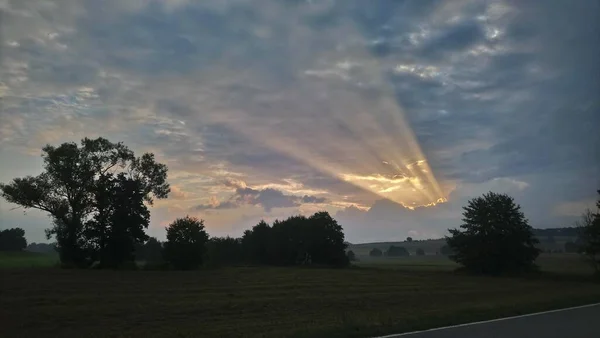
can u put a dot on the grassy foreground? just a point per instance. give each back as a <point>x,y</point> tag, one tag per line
<point>264,302</point>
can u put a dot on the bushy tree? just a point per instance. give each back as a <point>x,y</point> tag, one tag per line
<point>375,252</point>
<point>420,252</point>
<point>409,239</point>
<point>186,243</point>
<point>225,251</point>
<point>149,252</point>
<point>495,237</point>
<point>255,243</point>
<point>397,251</point>
<point>297,240</point>
<point>12,240</point>
<point>589,232</point>
<point>95,194</point>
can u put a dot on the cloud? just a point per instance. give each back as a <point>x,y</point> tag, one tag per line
<point>268,199</point>
<point>498,94</point>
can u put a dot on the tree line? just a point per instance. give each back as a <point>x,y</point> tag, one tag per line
<point>97,194</point>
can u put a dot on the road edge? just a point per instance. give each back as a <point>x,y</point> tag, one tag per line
<point>487,321</point>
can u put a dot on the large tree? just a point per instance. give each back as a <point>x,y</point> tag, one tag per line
<point>495,237</point>
<point>186,243</point>
<point>96,195</point>
<point>589,232</point>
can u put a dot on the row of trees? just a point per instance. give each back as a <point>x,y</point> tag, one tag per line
<point>297,240</point>
<point>395,251</point>
<point>97,194</point>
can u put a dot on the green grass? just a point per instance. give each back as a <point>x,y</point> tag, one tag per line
<point>265,302</point>
<point>25,259</point>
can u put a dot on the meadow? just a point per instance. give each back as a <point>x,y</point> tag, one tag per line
<point>372,298</point>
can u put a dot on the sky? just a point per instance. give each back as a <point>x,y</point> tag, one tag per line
<point>390,115</point>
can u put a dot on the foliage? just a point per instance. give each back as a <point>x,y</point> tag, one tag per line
<point>186,243</point>
<point>396,251</point>
<point>409,239</point>
<point>495,237</point>
<point>420,252</point>
<point>12,240</point>
<point>298,240</point>
<point>225,251</point>
<point>375,252</point>
<point>589,230</point>
<point>149,252</point>
<point>96,195</point>
<point>351,256</point>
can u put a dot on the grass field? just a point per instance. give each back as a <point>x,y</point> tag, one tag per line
<point>555,263</point>
<point>26,259</point>
<point>265,302</point>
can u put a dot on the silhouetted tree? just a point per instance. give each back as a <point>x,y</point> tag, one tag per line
<point>318,239</point>
<point>409,239</point>
<point>375,252</point>
<point>149,252</point>
<point>495,237</point>
<point>571,247</point>
<point>82,188</point>
<point>255,243</point>
<point>186,243</point>
<point>420,252</point>
<point>396,251</point>
<point>225,251</point>
<point>12,240</point>
<point>351,256</point>
<point>589,231</point>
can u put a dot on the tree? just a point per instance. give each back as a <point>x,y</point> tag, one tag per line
<point>95,194</point>
<point>589,232</point>
<point>409,239</point>
<point>12,240</point>
<point>317,239</point>
<point>420,252</point>
<point>397,251</point>
<point>351,256</point>
<point>375,252</point>
<point>149,252</point>
<point>571,247</point>
<point>224,251</point>
<point>255,243</point>
<point>495,237</point>
<point>186,243</point>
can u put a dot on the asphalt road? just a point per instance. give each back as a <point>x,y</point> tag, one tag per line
<point>579,322</point>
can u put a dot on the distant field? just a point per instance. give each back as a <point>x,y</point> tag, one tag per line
<point>26,259</point>
<point>264,302</point>
<point>555,263</point>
